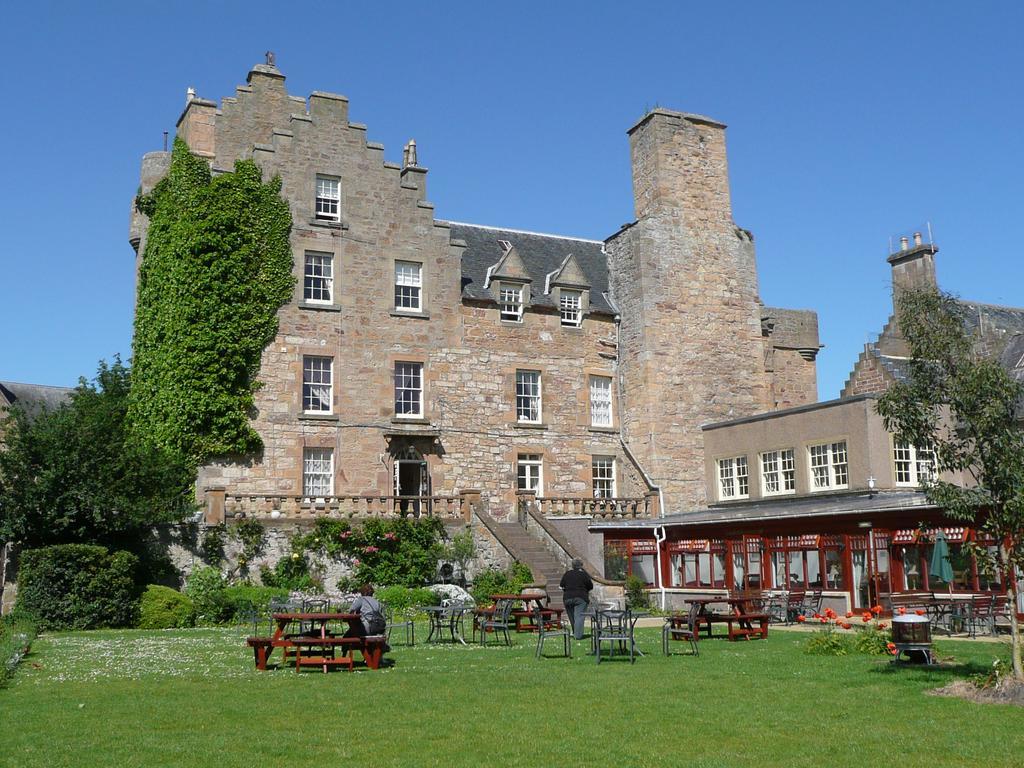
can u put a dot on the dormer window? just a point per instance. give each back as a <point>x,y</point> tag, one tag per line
<point>570,305</point>
<point>510,300</point>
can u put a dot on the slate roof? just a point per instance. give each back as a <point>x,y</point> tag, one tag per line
<point>837,505</point>
<point>32,397</point>
<point>898,367</point>
<point>991,317</point>
<point>540,255</point>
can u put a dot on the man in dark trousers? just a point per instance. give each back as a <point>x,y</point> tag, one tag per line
<point>576,586</point>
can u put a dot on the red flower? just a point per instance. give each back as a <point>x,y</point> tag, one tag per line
<point>829,613</point>
<point>866,618</point>
<point>891,648</point>
<point>882,625</point>
<point>801,618</point>
<point>817,615</point>
<point>902,610</point>
<point>849,614</point>
<point>822,619</point>
<point>919,611</point>
<point>846,625</point>
<point>876,609</point>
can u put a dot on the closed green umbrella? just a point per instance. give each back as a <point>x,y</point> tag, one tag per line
<point>939,567</point>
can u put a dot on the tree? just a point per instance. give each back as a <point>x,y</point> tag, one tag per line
<point>963,404</point>
<point>74,474</point>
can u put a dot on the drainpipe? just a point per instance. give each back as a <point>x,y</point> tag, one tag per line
<point>659,538</point>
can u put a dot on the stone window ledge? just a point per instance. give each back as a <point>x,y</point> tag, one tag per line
<point>320,307</point>
<point>416,421</point>
<point>328,417</point>
<point>417,315</point>
<point>328,224</point>
<point>604,430</point>
<point>528,425</point>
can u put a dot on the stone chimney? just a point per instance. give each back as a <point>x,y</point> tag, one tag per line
<point>196,125</point>
<point>680,167</point>
<point>913,267</point>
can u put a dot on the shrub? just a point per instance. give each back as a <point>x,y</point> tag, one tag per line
<point>290,573</point>
<point>405,600</point>
<point>79,586</point>
<point>241,599</point>
<point>872,640</point>
<point>206,589</point>
<point>214,540</point>
<point>17,631</point>
<point>494,581</point>
<point>828,642</point>
<point>636,592</point>
<point>165,608</point>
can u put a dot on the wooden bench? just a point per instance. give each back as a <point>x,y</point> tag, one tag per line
<point>261,648</point>
<point>741,625</point>
<point>326,646</point>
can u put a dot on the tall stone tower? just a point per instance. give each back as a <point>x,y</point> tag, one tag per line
<point>684,278</point>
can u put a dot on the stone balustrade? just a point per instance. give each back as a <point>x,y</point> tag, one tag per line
<point>221,505</point>
<point>626,507</point>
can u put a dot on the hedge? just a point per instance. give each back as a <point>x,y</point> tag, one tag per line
<point>78,586</point>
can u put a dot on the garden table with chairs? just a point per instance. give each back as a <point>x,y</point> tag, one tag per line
<point>744,612</point>
<point>446,618</point>
<point>525,618</point>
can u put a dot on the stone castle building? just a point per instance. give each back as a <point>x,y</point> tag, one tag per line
<point>436,360</point>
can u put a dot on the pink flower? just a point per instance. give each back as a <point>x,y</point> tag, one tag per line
<point>346,534</point>
<point>370,549</point>
<point>356,561</point>
<point>391,536</point>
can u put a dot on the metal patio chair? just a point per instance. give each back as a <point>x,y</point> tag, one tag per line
<point>552,626</point>
<point>672,631</point>
<point>404,623</point>
<point>615,629</point>
<point>498,621</point>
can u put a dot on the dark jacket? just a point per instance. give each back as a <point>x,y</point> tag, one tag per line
<point>576,583</point>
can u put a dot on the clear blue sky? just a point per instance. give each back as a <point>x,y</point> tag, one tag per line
<point>848,124</point>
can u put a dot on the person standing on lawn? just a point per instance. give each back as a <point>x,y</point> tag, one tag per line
<point>576,586</point>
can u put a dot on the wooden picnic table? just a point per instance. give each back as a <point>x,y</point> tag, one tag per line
<point>525,618</point>
<point>319,637</point>
<point>742,615</point>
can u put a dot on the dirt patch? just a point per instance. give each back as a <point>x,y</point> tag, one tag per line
<point>1004,692</point>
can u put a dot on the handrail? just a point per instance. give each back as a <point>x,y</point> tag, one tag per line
<point>564,544</point>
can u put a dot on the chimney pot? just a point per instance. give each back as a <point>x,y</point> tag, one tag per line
<point>904,243</point>
<point>190,94</point>
<point>917,238</point>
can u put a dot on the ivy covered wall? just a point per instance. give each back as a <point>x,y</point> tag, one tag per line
<point>217,266</point>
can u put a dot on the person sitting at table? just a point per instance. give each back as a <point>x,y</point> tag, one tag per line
<point>371,614</point>
<point>576,586</point>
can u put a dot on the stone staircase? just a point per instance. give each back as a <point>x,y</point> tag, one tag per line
<point>526,549</point>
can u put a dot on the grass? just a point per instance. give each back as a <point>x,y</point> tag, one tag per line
<point>192,697</point>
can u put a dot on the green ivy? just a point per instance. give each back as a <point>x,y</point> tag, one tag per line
<point>253,537</point>
<point>214,540</point>
<point>216,268</point>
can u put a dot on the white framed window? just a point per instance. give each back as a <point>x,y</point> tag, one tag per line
<point>912,465</point>
<point>733,479</point>
<point>328,199</point>
<point>317,386</point>
<point>602,472</point>
<point>530,472</point>
<point>600,401</point>
<point>510,302</point>
<point>528,404</point>
<point>778,472</point>
<point>829,466</point>
<point>570,305</point>
<point>318,472</point>
<point>408,286</point>
<point>318,278</point>
<point>409,390</point>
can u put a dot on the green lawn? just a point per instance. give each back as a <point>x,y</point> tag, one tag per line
<point>192,697</point>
